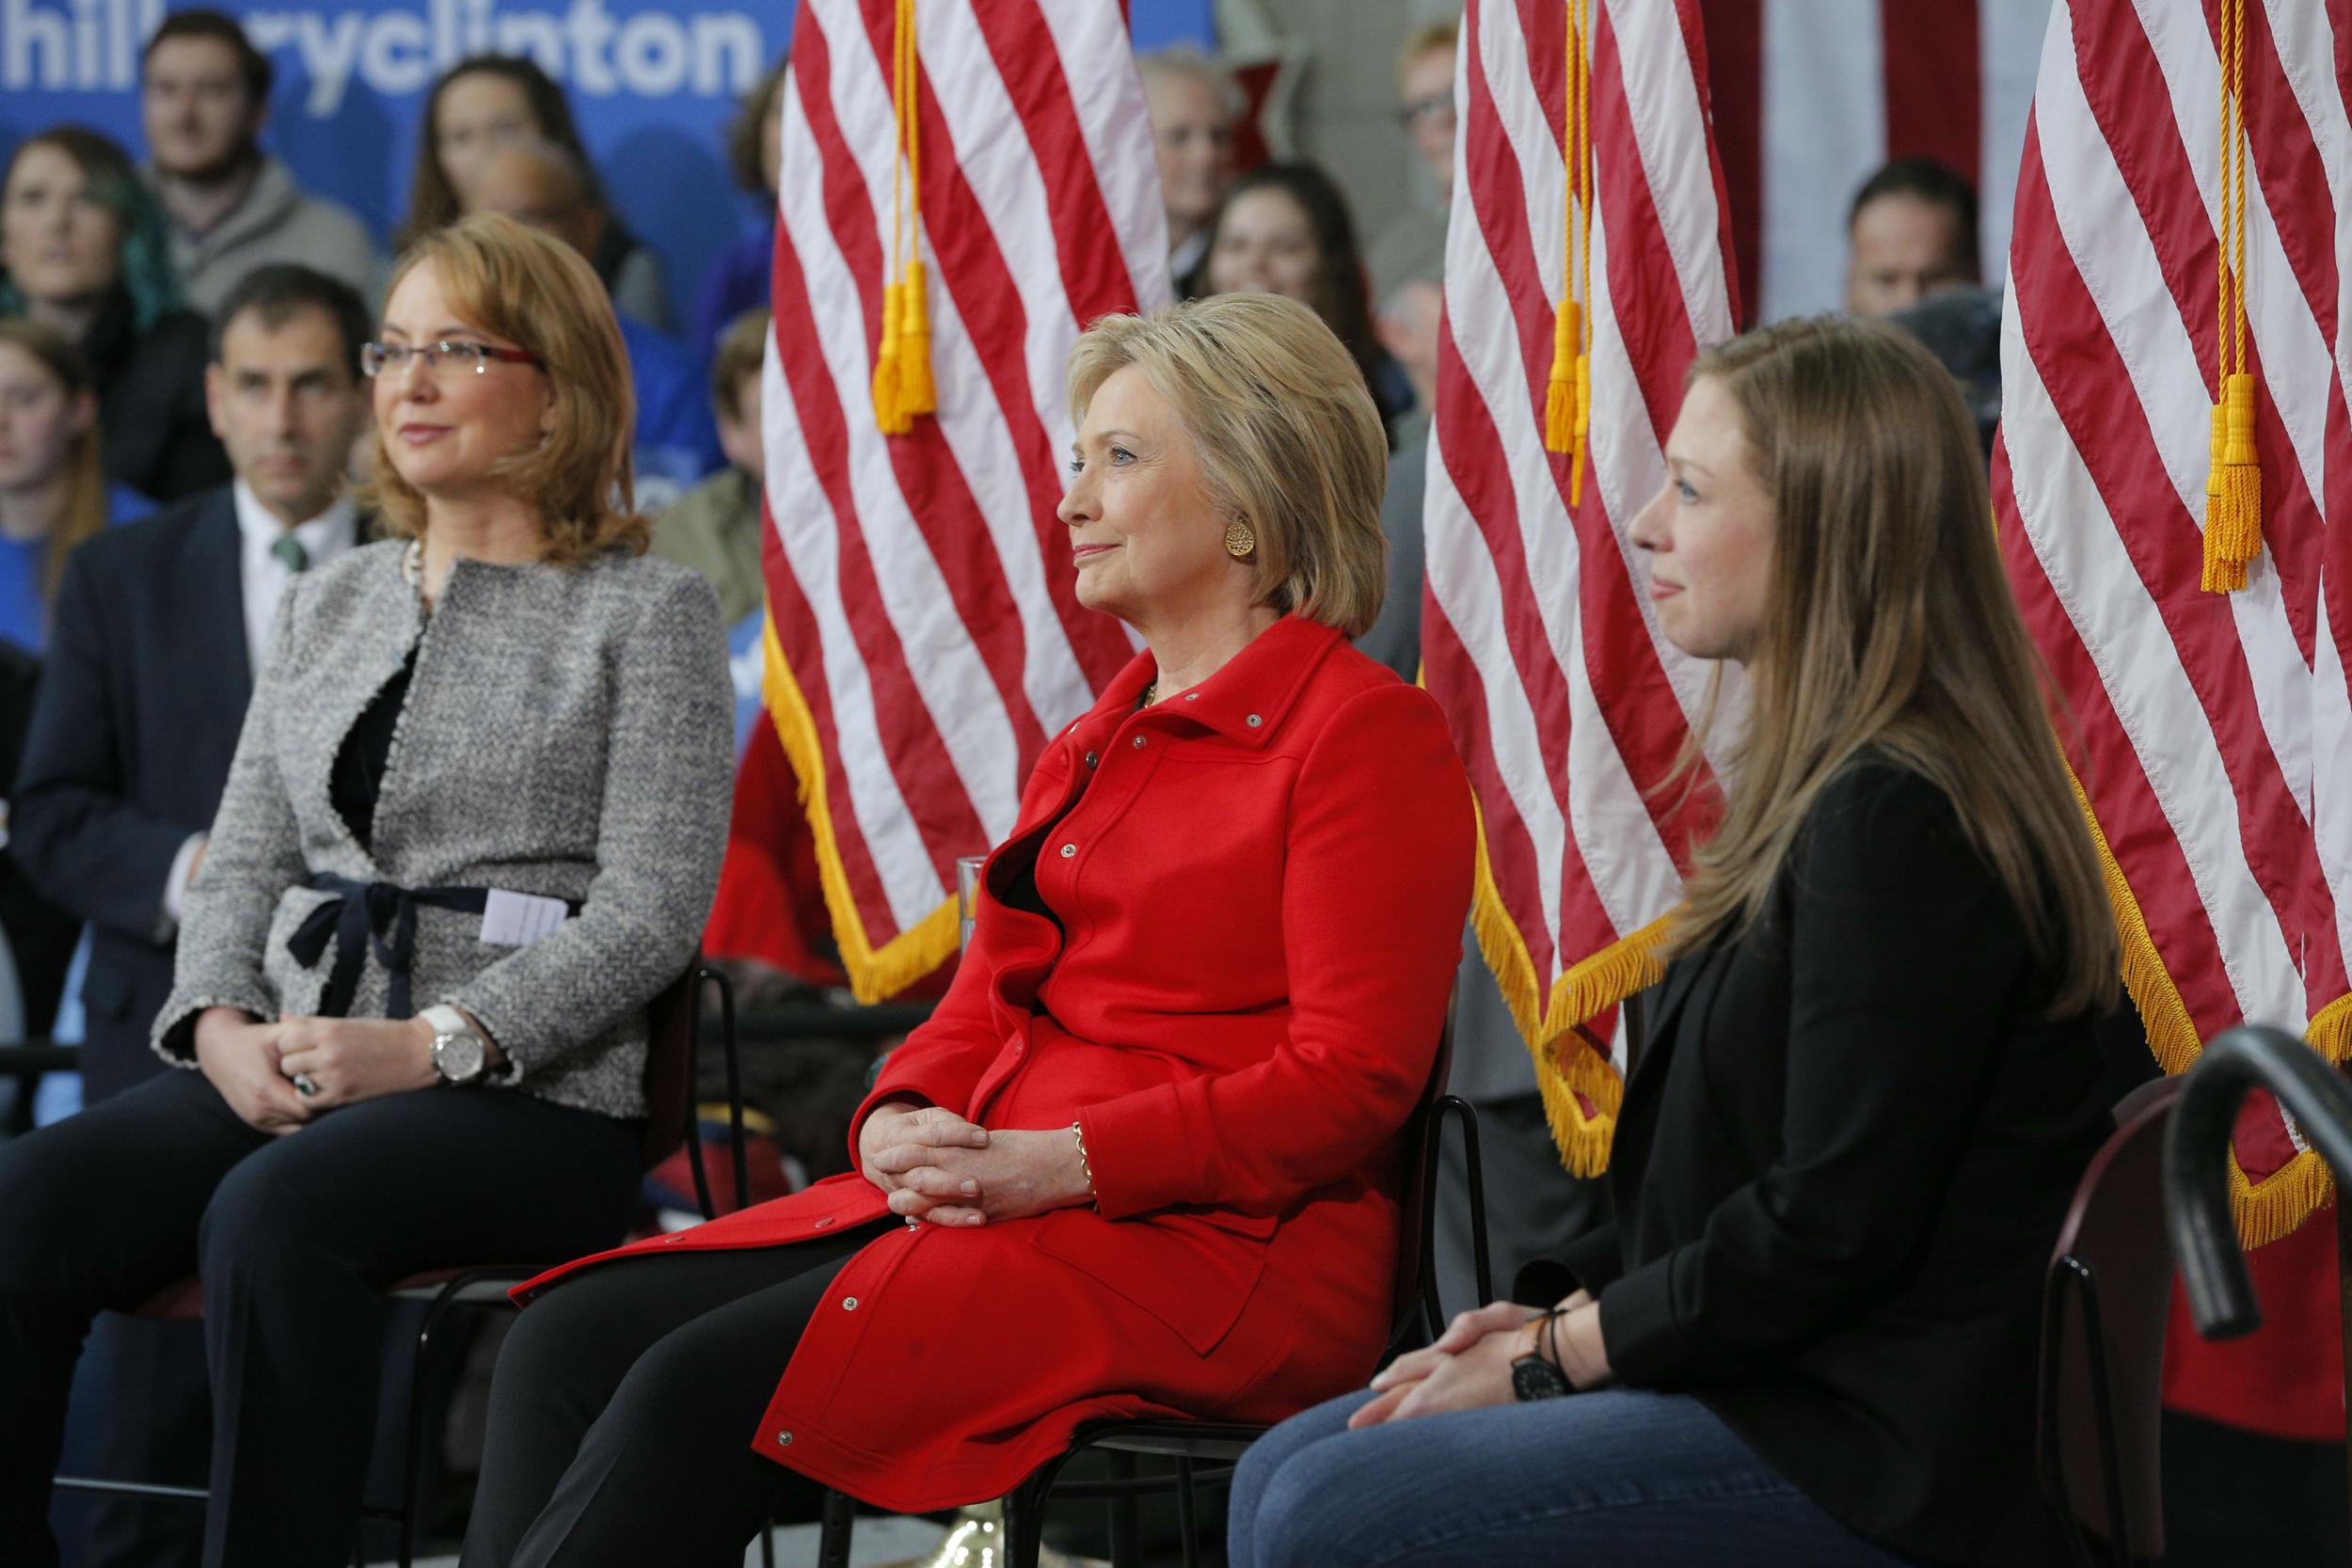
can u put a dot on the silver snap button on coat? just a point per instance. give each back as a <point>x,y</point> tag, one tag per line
<point>1068,851</point>
<point>1254,720</point>
<point>849,1304</point>
<point>783,1439</point>
<point>1138,743</point>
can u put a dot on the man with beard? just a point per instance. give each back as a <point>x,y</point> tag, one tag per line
<point>204,94</point>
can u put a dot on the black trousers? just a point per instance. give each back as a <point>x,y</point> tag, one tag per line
<point>293,1237</point>
<point>626,1401</point>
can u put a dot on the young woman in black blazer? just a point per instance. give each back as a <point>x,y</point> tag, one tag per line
<point>1862,1094</point>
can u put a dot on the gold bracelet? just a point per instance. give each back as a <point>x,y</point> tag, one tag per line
<point>1085,1167</point>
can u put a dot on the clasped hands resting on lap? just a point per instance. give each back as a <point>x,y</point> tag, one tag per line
<point>255,1066</point>
<point>1470,1364</point>
<point>937,1168</point>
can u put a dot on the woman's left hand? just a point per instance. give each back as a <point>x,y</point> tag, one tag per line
<point>1017,1175</point>
<point>1469,1365</point>
<point>350,1059</point>
<point>1458,1380</point>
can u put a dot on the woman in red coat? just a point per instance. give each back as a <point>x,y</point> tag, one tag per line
<point>1144,1160</point>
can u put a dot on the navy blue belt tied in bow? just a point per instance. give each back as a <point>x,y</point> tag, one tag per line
<point>383,915</point>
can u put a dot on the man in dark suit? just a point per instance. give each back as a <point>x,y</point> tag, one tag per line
<point>158,630</point>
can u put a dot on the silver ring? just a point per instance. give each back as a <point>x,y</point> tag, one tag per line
<point>303,1086</point>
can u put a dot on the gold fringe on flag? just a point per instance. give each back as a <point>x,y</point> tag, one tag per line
<point>875,973</point>
<point>2265,1211</point>
<point>2234,490</point>
<point>1581,1090</point>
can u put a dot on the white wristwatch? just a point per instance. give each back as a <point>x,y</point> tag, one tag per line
<point>460,1054</point>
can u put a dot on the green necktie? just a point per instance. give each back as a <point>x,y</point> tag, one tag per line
<point>288,550</point>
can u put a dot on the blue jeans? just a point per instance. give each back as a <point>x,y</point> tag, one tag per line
<point>1616,1479</point>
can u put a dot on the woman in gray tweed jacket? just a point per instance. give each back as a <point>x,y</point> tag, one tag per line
<point>473,826</point>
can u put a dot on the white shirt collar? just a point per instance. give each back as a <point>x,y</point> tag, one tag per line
<point>324,537</point>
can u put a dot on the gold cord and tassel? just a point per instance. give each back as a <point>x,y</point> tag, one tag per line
<point>903,383</point>
<point>1568,390</point>
<point>2233,485</point>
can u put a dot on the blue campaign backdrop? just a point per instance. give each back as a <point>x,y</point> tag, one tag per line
<point>653,84</point>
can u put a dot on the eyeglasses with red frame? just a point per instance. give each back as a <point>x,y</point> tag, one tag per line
<point>378,360</point>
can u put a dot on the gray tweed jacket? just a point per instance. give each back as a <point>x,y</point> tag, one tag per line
<point>567,732</point>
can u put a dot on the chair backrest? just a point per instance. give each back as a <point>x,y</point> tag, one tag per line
<point>1414,1289</point>
<point>2105,1300</point>
<point>671,1021</point>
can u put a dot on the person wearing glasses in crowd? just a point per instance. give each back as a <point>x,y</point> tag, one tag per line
<point>471,829</point>
<point>1194,102</point>
<point>1413,243</point>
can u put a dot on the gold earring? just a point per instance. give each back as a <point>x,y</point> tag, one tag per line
<point>1239,541</point>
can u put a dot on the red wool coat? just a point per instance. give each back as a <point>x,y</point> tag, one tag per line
<point>1257,893</point>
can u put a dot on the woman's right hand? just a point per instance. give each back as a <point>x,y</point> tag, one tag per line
<point>239,1057</point>
<point>903,1135</point>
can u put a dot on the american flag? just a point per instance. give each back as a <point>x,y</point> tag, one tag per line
<point>1567,703</point>
<point>924,638</point>
<point>2216,728</point>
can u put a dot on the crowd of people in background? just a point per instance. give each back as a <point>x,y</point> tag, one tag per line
<point>180,349</point>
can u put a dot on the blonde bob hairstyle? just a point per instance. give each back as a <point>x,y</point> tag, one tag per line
<point>538,294</point>
<point>1285,434</point>
<point>1889,627</point>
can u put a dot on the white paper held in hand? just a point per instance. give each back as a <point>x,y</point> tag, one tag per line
<point>520,919</point>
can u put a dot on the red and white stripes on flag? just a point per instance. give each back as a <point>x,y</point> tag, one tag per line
<point>924,636</point>
<point>1567,703</point>
<point>1811,96</point>
<point>2216,729</point>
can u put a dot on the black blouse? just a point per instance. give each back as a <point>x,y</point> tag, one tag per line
<point>366,755</point>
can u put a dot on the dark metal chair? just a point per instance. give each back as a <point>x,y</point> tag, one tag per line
<point>674,1021</point>
<point>2104,1300</point>
<point>1218,1445</point>
<point>2196,1166</point>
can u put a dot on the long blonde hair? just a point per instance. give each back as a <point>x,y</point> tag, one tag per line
<point>86,503</point>
<point>538,292</point>
<point>1889,625</point>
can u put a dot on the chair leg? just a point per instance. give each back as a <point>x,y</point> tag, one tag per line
<point>695,1161</point>
<point>1187,1522</point>
<point>735,1088</point>
<point>1126,1522</point>
<point>832,1543</point>
<point>412,1428</point>
<point>1025,1518</point>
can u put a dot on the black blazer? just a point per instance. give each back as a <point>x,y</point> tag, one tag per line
<point>142,696</point>
<point>1844,1151</point>
<point>41,935</point>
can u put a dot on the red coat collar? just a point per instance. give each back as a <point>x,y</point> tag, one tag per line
<point>1245,700</point>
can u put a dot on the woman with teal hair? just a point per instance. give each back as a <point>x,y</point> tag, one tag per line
<point>82,251</point>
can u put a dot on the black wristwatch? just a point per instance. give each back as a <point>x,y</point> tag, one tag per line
<point>1534,1378</point>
